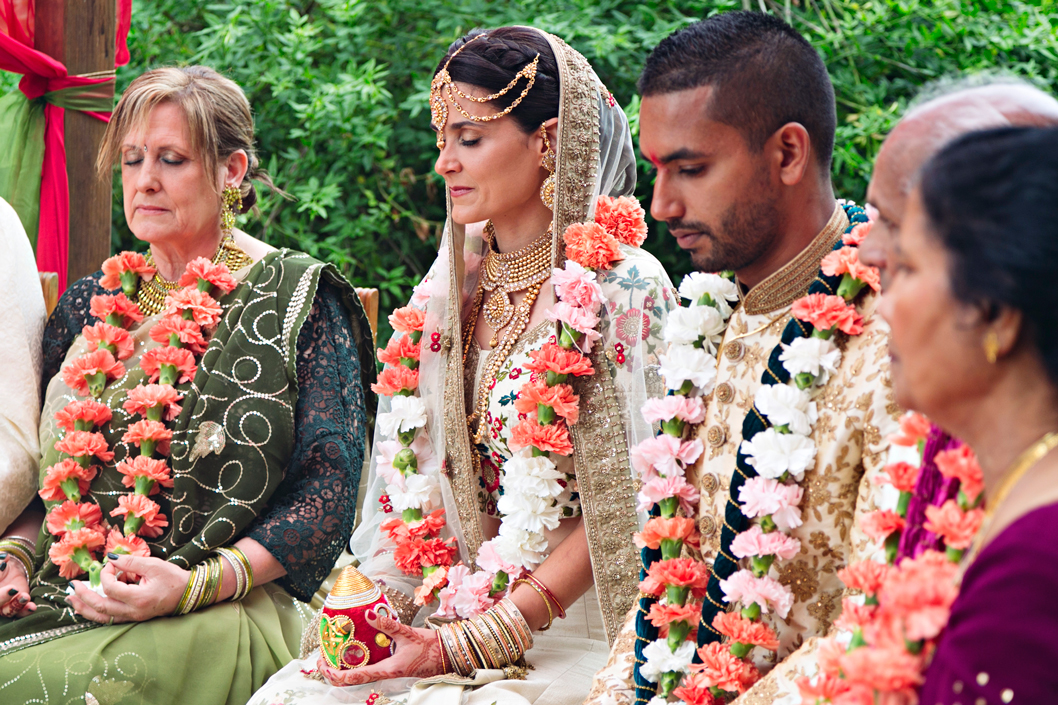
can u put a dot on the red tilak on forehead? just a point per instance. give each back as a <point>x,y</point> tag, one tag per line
<point>652,157</point>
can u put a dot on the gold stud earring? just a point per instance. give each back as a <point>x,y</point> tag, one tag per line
<point>232,198</point>
<point>550,162</point>
<point>991,345</point>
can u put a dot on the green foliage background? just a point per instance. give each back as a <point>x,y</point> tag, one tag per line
<point>339,90</point>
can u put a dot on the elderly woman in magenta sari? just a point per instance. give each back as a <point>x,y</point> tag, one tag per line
<point>202,432</point>
<point>501,488</point>
<point>973,311</point>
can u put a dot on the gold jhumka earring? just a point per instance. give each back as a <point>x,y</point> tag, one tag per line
<point>991,345</point>
<point>232,198</point>
<point>547,190</point>
<point>443,83</point>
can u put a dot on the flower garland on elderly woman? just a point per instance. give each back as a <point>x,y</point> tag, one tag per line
<point>889,629</point>
<point>531,484</point>
<point>776,452</point>
<point>85,538</point>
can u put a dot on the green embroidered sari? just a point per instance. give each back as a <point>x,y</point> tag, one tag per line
<point>231,446</point>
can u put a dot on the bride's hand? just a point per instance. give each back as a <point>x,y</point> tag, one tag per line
<point>416,655</point>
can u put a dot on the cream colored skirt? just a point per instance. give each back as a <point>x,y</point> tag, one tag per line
<point>562,663</point>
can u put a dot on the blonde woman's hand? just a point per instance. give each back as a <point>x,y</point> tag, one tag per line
<point>157,594</point>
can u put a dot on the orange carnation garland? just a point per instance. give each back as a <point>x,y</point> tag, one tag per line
<point>77,521</point>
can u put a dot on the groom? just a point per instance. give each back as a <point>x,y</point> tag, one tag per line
<point>738,118</point>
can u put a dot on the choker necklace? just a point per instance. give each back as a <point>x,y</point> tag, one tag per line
<point>503,274</point>
<point>152,292</point>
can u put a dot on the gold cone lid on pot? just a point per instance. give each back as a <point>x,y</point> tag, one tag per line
<point>352,589</point>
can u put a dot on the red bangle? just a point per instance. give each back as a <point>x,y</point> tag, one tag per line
<point>441,646</point>
<point>537,582</point>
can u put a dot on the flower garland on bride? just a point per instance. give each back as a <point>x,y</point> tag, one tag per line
<point>190,314</point>
<point>776,452</point>
<point>547,405</point>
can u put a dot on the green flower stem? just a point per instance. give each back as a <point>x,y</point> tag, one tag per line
<point>964,501</point>
<point>857,640</point>
<point>823,334</point>
<point>174,341</point>
<point>537,453</point>
<point>410,363</point>
<point>767,524</point>
<point>668,507</point>
<point>71,489</point>
<point>954,554</point>
<point>850,287</point>
<point>669,682</point>
<point>156,412</point>
<point>804,380</point>
<point>871,599</point>
<point>553,378</point>
<point>116,319</point>
<point>415,335</point>
<point>568,337</point>
<point>784,428</point>
<point>752,611</point>
<point>406,438</point>
<point>545,414</point>
<point>96,383</point>
<point>499,583</point>
<point>760,565</point>
<point>187,314</point>
<point>144,485</point>
<point>914,647</point>
<point>112,349</point>
<point>428,570</point>
<point>147,447</point>
<point>406,462</point>
<point>132,524</point>
<point>83,460</point>
<point>83,425</point>
<point>130,283</point>
<point>678,632</point>
<point>892,543</point>
<point>74,525</point>
<point>204,286</point>
<point>741,650</point>
<point>676,594</point>
<point>94,571</point>
<point>674,427</point>
<point>686,388</point>
<point>410,515</point>
<point>902,503</point>
<point>167,374</point>
<point>671,548</point>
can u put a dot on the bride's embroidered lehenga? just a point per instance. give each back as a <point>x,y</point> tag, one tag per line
<point>595,156</point>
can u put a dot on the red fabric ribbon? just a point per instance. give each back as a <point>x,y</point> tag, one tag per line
<point>43,74</point>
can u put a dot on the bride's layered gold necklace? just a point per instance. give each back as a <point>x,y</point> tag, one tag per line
<point>152,293</point>
<point>500,276</point>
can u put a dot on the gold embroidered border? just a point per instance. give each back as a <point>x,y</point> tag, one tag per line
<point>792,281</point>
<point>607,495</point>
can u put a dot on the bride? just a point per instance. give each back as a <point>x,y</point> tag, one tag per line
<point>517,380</point>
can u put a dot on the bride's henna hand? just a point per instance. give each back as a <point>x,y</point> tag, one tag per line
<point>417,655</point>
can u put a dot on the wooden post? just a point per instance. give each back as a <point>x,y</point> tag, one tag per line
<point>80,34</point>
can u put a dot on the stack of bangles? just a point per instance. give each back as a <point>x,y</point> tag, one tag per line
<point>22,550</point>
<point>203,586</point>
<point>493,639</point>
<point>547,596</point>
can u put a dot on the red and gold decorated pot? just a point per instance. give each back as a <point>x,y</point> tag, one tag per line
<point>346,639</point>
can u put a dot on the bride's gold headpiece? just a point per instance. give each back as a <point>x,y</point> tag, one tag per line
<point>443,81</point>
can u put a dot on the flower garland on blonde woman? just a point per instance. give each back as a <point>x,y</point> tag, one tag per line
<point>531,484</point>
<point>888,631</point>
<point>84,535</point>
<point>775,454</point>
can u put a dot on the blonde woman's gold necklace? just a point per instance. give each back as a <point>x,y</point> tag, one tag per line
<point>152,292</point>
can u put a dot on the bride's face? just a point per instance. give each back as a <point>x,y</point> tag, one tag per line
<point>493,169</point>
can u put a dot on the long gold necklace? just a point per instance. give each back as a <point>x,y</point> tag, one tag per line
<point>152,292</point>
<point>1021,465</point>
<point>501,275</point>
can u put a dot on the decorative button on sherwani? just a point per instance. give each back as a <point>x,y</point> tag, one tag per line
<point>725,393</point>
<point>734,350</point>
<point>716,436</point>
<point>709,482</point>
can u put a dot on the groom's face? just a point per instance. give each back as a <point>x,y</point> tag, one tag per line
<point>711,188</point>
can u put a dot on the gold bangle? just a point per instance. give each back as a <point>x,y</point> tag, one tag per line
<point>505,642</point>
<point>477,658</point>
<point>22,551</point>
<point>547,602</point>
<point>462,664</point>
<point>181,607</point>
<point>495,660</point>
<point>516,622</point>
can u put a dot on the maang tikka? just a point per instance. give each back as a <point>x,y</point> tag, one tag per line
<point>442,82</point>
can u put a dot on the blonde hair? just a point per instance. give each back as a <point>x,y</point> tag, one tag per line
<point>217,113</point>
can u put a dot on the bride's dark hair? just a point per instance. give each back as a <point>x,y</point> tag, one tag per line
<point>492,62</point>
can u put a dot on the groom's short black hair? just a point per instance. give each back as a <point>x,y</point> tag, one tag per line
<point>763,72</point>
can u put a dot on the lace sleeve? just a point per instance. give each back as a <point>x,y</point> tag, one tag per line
<point>67,320</point>
<point>312,513</point>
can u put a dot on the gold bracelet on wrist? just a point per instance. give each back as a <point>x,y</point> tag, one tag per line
<point>543,596</point>
<point>22,550</point>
